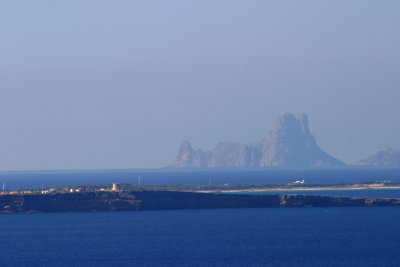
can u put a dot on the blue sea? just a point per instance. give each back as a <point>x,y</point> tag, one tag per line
<point>216,237</point>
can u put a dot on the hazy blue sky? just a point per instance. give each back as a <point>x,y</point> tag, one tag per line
<point>119,84</point>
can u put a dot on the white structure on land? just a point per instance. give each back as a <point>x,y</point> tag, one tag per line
<point>298,182</point>
<point>115,187</point>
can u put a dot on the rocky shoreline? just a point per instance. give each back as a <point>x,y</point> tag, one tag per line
<point>167,200</point>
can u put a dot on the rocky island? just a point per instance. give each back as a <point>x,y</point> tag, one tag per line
<point>289,144</point>
<point>387,157</point>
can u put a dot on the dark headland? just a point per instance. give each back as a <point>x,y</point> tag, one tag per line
<point>130,200</point>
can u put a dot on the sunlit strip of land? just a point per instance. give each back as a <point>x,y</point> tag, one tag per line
<point>308,188</point>
<point>202,188</point>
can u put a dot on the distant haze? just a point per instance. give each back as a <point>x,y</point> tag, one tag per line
<point>120,84</point>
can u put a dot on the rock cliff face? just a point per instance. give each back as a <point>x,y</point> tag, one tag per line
<point>67,202</point>
<point>289,144</point>
<point>387,157</point>
<point>167,200</point>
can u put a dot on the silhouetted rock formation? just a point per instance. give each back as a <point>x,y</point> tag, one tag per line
<point>189,157</point>
<point>387,157</point>
<point>292,144</point>
<point>289,144</point>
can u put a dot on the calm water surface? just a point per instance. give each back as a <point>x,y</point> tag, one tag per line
<point>219,237</point>
<point>18,179</point>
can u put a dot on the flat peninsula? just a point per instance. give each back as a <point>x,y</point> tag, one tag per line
<point>130,200</point>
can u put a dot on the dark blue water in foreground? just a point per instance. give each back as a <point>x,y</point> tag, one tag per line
<point>14,179</point>
<point>228,237</point>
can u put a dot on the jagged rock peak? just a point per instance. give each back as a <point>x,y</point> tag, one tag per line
<point>189,157</point>
<point>289,122</point>
<point>387,157</point>
<point>289,144</point>
<point>186,146</point>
